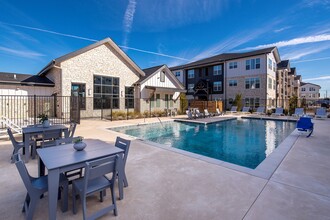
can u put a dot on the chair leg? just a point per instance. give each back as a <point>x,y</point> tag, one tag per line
<point>32,207</point>
<point>115,211</point>
<point>125,180</point>
<point>83,204</point>
<point>26,202</point>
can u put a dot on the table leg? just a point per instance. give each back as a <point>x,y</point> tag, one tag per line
<point>53,184</point>
<point>26,149</point>
<point>41,170</point>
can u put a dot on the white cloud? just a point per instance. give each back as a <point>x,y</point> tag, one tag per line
<point>21,53</point>
<point>318,78</point>
<point>282,29</point>
<point>296,54</point>
<point>128,20</point>
<point>311,60</point>
<point>295,41</point>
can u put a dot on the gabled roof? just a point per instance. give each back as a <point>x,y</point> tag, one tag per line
<point>226,57</point>
<point>297,77</point>
<point>24,79</point>
<point>306,83</point>
<point>292,71</point>
<point>149,72</point>
<point>284,64</point>
<point>90,47</point>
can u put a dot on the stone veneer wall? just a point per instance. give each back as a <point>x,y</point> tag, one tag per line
<point>102,60</point>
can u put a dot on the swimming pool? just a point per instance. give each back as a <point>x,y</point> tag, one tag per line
<point>245,142</point>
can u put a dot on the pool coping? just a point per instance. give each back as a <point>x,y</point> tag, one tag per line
<point>264,170</point>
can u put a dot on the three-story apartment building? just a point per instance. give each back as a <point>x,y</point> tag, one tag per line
<point>252,74</point>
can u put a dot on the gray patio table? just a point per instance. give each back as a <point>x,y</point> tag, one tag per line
<point>64,158</point>
<point>28,132</point>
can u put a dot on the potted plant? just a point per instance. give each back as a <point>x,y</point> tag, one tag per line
<point>78,143</point>
<point>44,120</point>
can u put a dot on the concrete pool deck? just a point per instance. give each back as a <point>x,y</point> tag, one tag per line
<point>165,184</point>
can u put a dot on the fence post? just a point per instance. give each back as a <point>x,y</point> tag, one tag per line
<point>102,108</point>
<point>35,108</point>
<point>111,102</point>
<point>149,108</point>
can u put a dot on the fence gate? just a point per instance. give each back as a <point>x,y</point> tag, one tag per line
<point>74,109</point>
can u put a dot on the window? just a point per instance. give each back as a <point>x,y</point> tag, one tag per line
<point>168,102</point>
<point>232,65</point>
<point>252,64</point>
<point>252,83</point>
<point>270,83</point>
<point>162,76</point>
<point>191,74</point>
<point>274,84</point>
<point>247,65</point>
<point>177,73</point>
<point>129,97</point>
<point>258,63</point>
<point>106,92</point>
<point>217,86</point>
<point>233,82</point>
<point>311,89</point>
<point>270,64</point>
<point>256,102</point>
<point>303,89</point>
<point>79,90</point>
<point>274,66</point>
<point>249,102</point>
<point>217,70</point>
<point>191,87</point>
<point>230,101</point>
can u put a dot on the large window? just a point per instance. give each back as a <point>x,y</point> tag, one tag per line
<point>106,92</point>
<point>217,70</point>
<point>129,97</point>
<point>252,64</point>
<point>252,83</point>
<point>233,82</point>
<point>217,86</point>
<point>191,74</point>
<point>303,89</point>
<point>79,90</point>
<point>232,65</point>
<point>252,102</point>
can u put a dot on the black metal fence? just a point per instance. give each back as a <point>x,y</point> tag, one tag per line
<point>24,110</point>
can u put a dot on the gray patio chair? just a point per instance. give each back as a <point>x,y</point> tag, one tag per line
<point>18,145</point>
<point>49,138</point>
<point>124,145</point>
<point>72,129</point>
<point>95,181</point>
<point>36,187</point>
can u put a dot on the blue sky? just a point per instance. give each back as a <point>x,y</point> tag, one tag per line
<point>172,32</point>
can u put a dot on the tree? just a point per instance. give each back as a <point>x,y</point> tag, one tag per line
<point>238,101</point>
<point>293,104</point>
<point>183,103</point>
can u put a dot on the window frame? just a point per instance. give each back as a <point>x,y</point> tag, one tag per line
<point>109,99</point>
<point>191,74</point>
<point>81,94</point>
<point>217,70</point>
<point>129,98</point>
<point>217,86</point>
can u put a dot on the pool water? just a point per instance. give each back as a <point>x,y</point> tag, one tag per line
<point>245,142</point>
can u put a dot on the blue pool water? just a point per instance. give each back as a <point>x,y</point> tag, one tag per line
<point>245,142</point>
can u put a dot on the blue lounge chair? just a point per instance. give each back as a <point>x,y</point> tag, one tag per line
<point>261,110</point>
<point>278,112</point>
<point>321,113</point>
<point>246,110</point>
<point>233,109</point>
<point>305,124</point>
<point>298,112</point>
